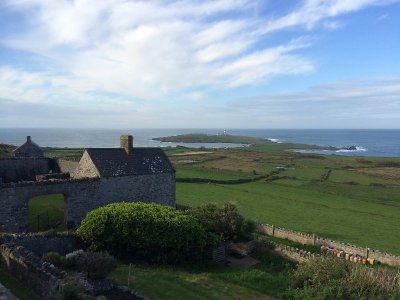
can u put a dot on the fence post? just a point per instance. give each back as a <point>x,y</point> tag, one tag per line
<point>366,252</point>
<point>129,275</point>
<point>273,230</point>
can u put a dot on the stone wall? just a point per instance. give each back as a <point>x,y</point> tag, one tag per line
<point>39,244</point>
<point>67,166</point>
<point>309,239</point>
<point>18,169</point>
<point>82,196</point>
<point>43,278</point>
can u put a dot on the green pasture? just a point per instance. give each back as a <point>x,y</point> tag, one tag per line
<point>46,212</point>
<point>199,172</point>
<point>348,206</point>
<point>317,208</point>
<point>70,153</point>
<point>269,278</point>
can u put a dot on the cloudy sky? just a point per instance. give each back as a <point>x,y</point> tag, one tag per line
<point>200,64</point>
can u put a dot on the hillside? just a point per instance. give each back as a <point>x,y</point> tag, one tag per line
<point>6,150</point>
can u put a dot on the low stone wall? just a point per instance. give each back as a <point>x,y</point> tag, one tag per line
<point>16,169</point>
<point>82,196</point>
<point>21,256</point>
<point>312,239</point>
<point>42,278</point>
<point>39,245</point>
<point>295,254</point>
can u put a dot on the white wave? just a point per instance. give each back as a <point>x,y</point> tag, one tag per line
<point>358,149</point>
<point>274,140</point>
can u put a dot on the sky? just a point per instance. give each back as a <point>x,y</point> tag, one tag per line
<point>200,64</point>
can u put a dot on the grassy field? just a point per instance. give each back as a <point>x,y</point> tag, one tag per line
<point>46,212</point>
<point>358,203</point>
<point>269,278</point>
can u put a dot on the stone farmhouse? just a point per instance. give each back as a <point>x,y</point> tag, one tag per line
<point>102,176</point>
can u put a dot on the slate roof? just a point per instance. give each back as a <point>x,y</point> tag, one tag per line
<point>111,162</point>
<point>28,149</point>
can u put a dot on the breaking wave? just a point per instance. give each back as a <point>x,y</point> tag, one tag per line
<point>356,149</point>
<point>274,140</point>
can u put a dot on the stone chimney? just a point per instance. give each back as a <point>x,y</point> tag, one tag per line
<point>28,138</point>
<point>127,143</point>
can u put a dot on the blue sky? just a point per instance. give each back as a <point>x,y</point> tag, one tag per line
<point>200,64</point>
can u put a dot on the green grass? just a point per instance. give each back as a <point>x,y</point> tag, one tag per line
<point>45,212</point>
<point>329,211</point>
<point>71,153</point>
<point>198,172</point>
<point>346,207</point>
<point>270,278</point>
<point>16,287</point>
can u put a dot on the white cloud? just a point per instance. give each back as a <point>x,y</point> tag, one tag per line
<point>313,11</point>
<point>195,96</point>
<point>115,54</point>
<point>150,49</point>
<point>341,104</point>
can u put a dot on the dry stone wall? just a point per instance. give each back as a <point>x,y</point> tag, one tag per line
<point>18,169</point>
<point>82,196</point>
<point>40,244</point>
<point>43,278</point>
<point>309,239</point>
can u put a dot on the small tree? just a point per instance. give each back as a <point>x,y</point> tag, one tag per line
<point>225,221</point>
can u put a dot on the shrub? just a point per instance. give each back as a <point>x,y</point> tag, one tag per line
<point>95,264</point>
<point>72,289</point>
<point>331,278</point>
<point>225,221</point>
<point>149,231</point>
<point>54,258</point>
<point>72,258</point>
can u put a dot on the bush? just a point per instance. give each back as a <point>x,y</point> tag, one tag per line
<point>95,264</point>
<point>225,221</point>
<point>54,258</point>
<point>72,289</point>
<point>331,278</point>
<point>149,231</point>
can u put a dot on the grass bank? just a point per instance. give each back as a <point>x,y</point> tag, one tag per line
<point>266,281</point>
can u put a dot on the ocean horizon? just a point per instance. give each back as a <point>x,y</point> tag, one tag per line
<point>368,142</point>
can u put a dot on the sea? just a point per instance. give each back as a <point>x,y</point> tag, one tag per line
<point>365,142</point>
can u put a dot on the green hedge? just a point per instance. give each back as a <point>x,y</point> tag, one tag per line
<point>149,231</point>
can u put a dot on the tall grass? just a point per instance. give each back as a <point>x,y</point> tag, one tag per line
<point>329,278</point>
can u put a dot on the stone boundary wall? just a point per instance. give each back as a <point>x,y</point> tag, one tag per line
<point>45,182</point>
<point>43,278</point>
<point>17,169</point>
<point>295,254</point>
<point>312,239</point>
<point>40,244</point>
<point>82,196</point>
<point>67,165</point>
